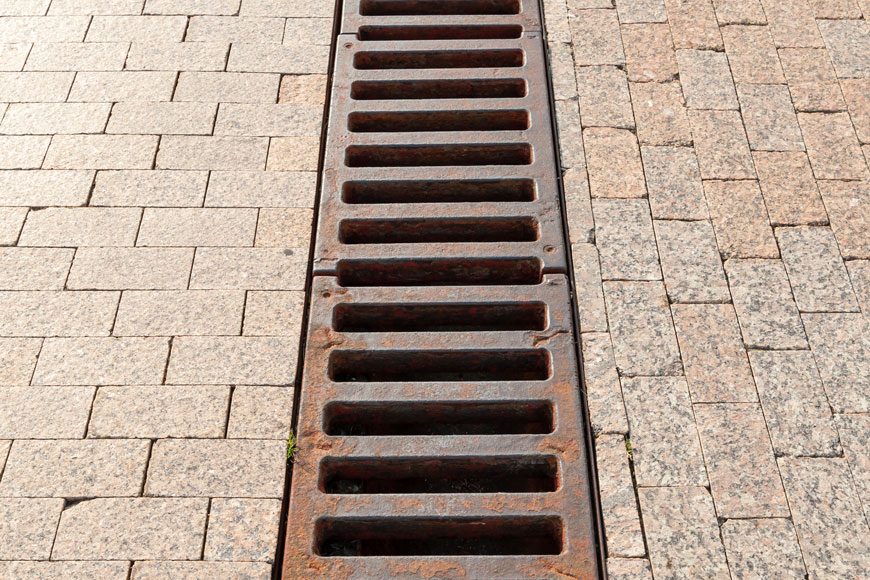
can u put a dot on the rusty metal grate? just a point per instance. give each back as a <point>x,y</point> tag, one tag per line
<point>441,432</point>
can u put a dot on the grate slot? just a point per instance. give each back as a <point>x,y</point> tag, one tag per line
<point>439,418</point>
<point>433,121</point>
<point>438,230</point>
<point>377,192</point>
<point>468,32</point>
<point>397,536</point>
<point>420,59</point>
<point>437,7</point>
<point>451,317</point>
<point>381,475</point>
<point>391,366</point>
<point>437,155</point>
<point>443,89</point>
<point>440,272</point>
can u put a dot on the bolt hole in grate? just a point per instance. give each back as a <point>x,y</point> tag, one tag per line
<point>440,425</point>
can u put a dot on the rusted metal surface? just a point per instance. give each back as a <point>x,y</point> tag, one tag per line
<point>441,427</point>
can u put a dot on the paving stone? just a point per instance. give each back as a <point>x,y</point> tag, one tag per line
<point>765,308</point>
<point>798,414</point>
<point>641,328</point>
<point>44,29</point>
<point>628,569</point>
<point>191,152</point>
<point>197,227</point>
<point>752,55</point>
<point>81,226</point>
<point>11,220</point>
<point>319,31</point>
<point>63,570</point>
<point>693,24</point>
<point>242,529</point>
<point>49,118</point>
<point>52,313</point>
<point>259,189</point>
<point>101,152</point>
<point>618,506</point>
<point>859,271</point>
<point>682,533</point>
<point>848,43</point>
<point>118,361</point>
<point>769,118</point>
<point>739,12</point>
<point>285,59</point>
<point>603,391</point>
<point>137,29</point>
<point>76,56</point>
<point>75,468</point>
<point>848,205</point>
<point>634,11</point>
<point>299,9</point>
<point>179,312</point>
<point>649,52</point>
<point>141,528</point>
<point>34,268</point>
<point>44,188</point>
<point>812,82</point>
<point>603,97</point>
<point>664,441</point>
<point>27,527</point>
<point>104,87</point>
<point>721,145</point>
<point>157,570</point>
<point>24,7</point>
<point>131,269</point>
<point>17,359</point>
<point>857,94</point>
<point>261,413</point>
<point>4,451</point>
<point>293,154</point>
<point>284,227</point>
<point>737,451</point>
<point>615,168</point>
<point>162,118</point>
<point>791,23</point>
<point>303,89</point>
<point>832,146</point>
<point>835,9</point>
<point>562,71</point>
<point>249,268</point>
<point>740,219</point>
<point>13,55</point>
<point>818,277</point>
<point>571,153</point>
<point>159,412</point>
<point>234,29</point>
<point>44,412</point>
<point>706,79</point>
<point>789,188</point>
<point>269,120</point>
<point>690,262</point>
<point>590,297</point>
<point>578,206</point>
<point>227,87</point>
<point>854,433</point>
<point>834,537</point>
<point>661,114</point>
<point>232,360</point>
<point>815,97</point>
<point>556,14</point>
<point>763,548</point>
<point>22,152</point>
<point>35,87</point>
<point>596,38</point>
<point>192,7</point>
<point>841,346</point>
<point>674,183</point>
<point>274,313</point>
<point>187,56</point>
<point>96,7</point>
<point>625,239</point>
<point>717,369</point>
<point>206,467</point>
<point>150,188</point>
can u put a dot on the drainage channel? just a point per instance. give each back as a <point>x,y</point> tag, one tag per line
<point>441,431</point>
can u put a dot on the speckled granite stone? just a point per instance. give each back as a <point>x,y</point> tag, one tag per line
<point>763,549</point>
<point>618,505</point>
<point>242,529</point>
<point>841,345</point>
<point>603,391</point>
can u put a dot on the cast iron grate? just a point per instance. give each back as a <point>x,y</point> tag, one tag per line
<point>441,432</point>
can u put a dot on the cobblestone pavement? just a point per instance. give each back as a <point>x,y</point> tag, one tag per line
<point>157,174</point>
<point>719,207</point>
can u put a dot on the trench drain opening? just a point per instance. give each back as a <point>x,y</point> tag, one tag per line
<point>435,191</point>
<point>437,7</point>
<point>438,89</point>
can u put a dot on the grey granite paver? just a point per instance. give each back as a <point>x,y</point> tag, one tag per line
<point>625,240</point>
<point>841,346</point>
<point>690,262</point>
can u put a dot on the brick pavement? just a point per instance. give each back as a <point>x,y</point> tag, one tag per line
<point>157,178</point>
<point>718,206</point>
